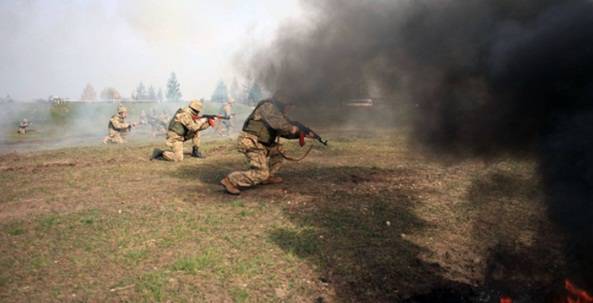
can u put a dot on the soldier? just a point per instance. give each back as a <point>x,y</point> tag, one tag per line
<point>158,123</point>
<point>118,127</point>
<point>23,127</point>
<point>258,142</point>
<point>185,125</point>
<point>142,120</point>
<point>227,111</point>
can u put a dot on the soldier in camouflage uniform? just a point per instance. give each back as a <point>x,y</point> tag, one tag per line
<point>227,111</point>
<point>258,142</point>
<point>184,126</point>
<point>23,127</point>
<point>118,127</point>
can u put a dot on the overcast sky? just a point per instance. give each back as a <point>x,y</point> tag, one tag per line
<point>55,47</point>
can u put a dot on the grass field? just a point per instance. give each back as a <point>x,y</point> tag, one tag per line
<point>366,219</point>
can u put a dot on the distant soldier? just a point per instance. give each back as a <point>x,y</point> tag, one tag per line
<point>258,142</point>
<point>158,123</point>
<point>118,127</point>
<point>227,111</point>
<point>143,119</point>
<point>23,127</point>
<point>184,126</point>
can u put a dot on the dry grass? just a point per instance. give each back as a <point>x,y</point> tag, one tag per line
<point>365,219</point>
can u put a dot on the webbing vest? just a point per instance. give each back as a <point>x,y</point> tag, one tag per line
<point>176,126</point>
<point>264,133</point>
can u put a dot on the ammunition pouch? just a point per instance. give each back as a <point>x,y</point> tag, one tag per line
<point>265,134</point>
<point>177,128</point>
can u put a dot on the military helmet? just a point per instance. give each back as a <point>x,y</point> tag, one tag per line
<point>196,105</point>
<point>25,120</point>
<point>230,100</point>
<point>122,109</point>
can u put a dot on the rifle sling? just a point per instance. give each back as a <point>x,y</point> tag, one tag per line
<point>296,159</point>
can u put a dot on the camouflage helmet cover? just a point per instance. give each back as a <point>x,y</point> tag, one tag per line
<point>122,109</point>
<point>196,105</point>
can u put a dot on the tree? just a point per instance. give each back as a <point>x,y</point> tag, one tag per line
<point>221,93</point>
<point>255,94</point>
<point>159,95</point>
<point>88,93</point>
<point>140,92</point>
<point>173,91</point>
<point>110,94</point>
<point>235,90</point>
<point>151,94</point>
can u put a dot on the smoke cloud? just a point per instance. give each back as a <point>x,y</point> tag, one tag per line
<point>484,78</point>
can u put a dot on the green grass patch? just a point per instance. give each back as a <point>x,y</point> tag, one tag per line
<point>15,229</point>
<point>239,295</point>
<point>208,260</point>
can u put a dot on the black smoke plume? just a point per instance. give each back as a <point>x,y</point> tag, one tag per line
<point>484,78</point>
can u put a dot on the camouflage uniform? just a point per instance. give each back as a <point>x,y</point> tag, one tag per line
<point>23,127</point>
<point>258,143</point>
<point>184,126</point>
<point>227,111</point>
<point>118,127</point>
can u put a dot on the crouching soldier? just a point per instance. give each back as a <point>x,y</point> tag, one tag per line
<point>118,127</point>
<point>258,142</point>
<point>23,127</point>
<point>184,126</point>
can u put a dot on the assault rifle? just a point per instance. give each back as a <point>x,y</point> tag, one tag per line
<point>304,131</point>
<point>211,118</point>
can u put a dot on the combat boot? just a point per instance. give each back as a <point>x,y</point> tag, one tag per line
<point>195,152</point>
<point>229,187</point>
<point>157,154</point>
<point>272,180</point>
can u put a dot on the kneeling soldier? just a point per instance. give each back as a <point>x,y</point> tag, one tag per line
<point>118,127</point>
<point>258,142</point>
<point>185,125</point>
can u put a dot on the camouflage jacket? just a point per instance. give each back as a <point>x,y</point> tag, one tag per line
<point>267,122</point>
<point>185,122</point>
<point>117,123</point>
<point>226,110</point>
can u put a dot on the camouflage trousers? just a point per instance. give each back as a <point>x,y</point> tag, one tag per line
<point>114,137</point>
<point>175,144</point>
<point>22,131</point>
<point>264,161</point>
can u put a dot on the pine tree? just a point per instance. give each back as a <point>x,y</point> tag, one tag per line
<point>159,95</point>
<point>173,92</point>
<point>88,93</point>
<point>151,93</point>
<point>255,94</point>
<point>220,94</point>
<point>140,92</point>
<point>235,90</point>
<point>110,94</point>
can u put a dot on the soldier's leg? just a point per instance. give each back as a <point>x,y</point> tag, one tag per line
<point>195,140</point>
<point>257,157</point>
<point>176,151</point>
<point>117,138</point>
<point>276,159</point>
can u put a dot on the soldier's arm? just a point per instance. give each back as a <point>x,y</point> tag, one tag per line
<point>119,125</point>
<point>276,120</point>
<point>193,126</point>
